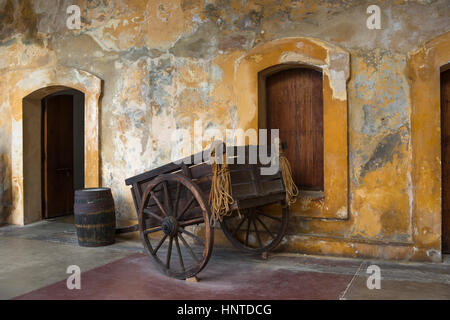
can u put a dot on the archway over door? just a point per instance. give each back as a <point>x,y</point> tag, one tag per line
<point>53,149</point>
<point>334,64</point>
<point>293,103</point>
<point>25,86</point>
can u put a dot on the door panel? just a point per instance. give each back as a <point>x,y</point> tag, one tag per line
<point>58,156</point>
<point>294,102</point>
<point>445,145</point>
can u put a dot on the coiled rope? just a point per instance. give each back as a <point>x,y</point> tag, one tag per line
<point>220,196</point>
<point>292,191</point>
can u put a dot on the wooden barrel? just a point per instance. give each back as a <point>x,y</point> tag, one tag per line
<point>95,219</point>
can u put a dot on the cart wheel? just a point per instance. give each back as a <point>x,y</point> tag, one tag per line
<point>170,206</point>
<point>258,229</point>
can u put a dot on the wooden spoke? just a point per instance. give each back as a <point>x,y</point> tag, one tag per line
<point>257,234</point>
<point>169,253</point>
<point>192,235</point>
<point>148,231</point>
<point>154,215</point>
<point>177,200</point>
<point>235,228</point>
<point>167,198</point>
<point>248,232</point>
<point>239,226</point>
<point>186,207</point>
<point>188,247</point>
<point>174,195</point>
<point>191,222</point>
<point>265,227</point>
<point>266,215</point>
<point>180,257</point>
<point>160,244</point>
<point>159,203</point>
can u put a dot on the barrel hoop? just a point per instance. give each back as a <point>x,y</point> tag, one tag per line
<point>94,219</point>
<point>91,200</point>
<point>111,210</point>
<point>82,239</point>
<point>101,204</point>
<point>92,194</point>
<point>96,225</point>
<point>97,205</point>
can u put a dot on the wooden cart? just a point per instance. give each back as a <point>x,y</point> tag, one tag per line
<point>172,205</point>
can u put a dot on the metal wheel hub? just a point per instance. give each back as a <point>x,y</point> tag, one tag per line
<point>170,226</point>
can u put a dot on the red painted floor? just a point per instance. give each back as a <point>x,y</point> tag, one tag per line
<point>135,277</point>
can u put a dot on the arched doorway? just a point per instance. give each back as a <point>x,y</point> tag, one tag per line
<point>31,87</point>
<point>334,64</point>
<point>53,149</point>
<point>294,105</point>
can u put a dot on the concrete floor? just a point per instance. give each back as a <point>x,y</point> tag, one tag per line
<point>34,260</point>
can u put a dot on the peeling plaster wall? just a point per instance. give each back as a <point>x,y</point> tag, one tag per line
<point>166,64</point>
<point>5,155</point>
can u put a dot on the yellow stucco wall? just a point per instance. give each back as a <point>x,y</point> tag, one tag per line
<point>167,64</point>
<point>425,66</point>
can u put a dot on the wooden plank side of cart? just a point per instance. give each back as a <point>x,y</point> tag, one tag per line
<point>138,181</point>
<point>195,159</point>
<point>191,160</point>
<point>247,183</point>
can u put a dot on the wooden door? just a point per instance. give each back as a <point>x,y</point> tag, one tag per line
<point>294,105</point>
<point>58,156</point>
<point>445,161</point>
